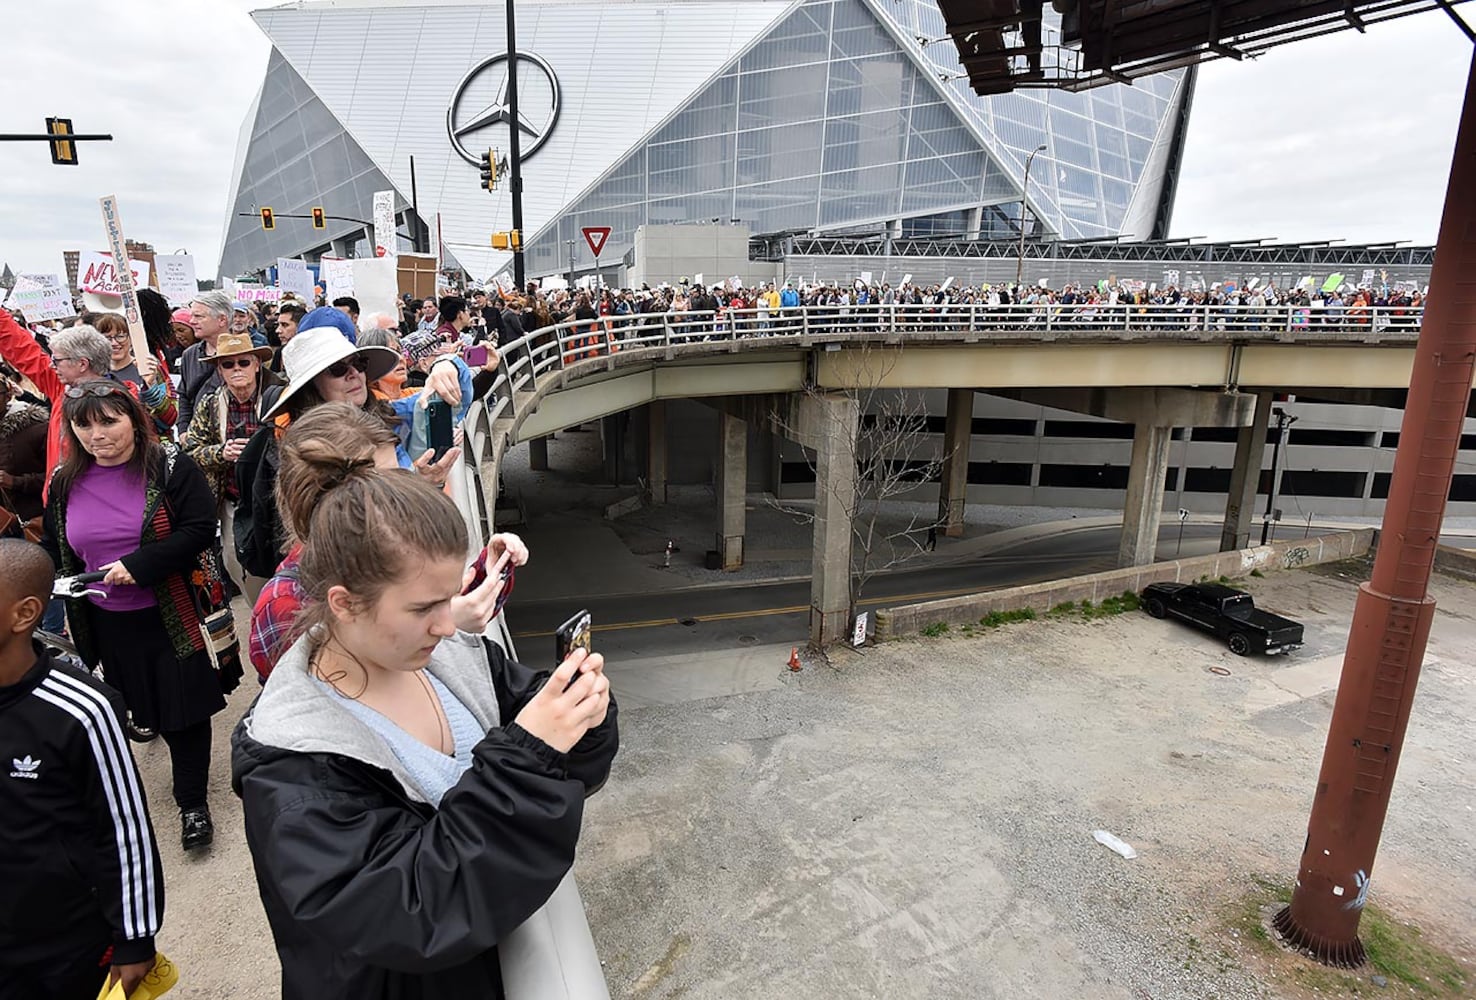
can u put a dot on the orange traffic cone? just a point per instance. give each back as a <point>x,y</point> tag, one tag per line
<point>794,660</point>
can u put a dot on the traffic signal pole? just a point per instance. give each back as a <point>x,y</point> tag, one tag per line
<point>515,146</point>
<point>1393,614</point>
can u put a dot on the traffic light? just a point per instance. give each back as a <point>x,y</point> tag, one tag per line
<point>62,152</point>
<point>511,240</point>
<point>268,221</point>
<point>489,170</point>
<point>320,220</point>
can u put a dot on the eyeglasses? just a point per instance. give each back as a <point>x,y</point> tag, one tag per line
<point>118,338</point>
<point>97,387</point>
<point>339,369</point>
<point>57,359</point>
<point>228,363</point>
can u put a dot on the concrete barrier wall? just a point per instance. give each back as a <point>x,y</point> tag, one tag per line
<point>1459,563</point>
<point>911,618</point>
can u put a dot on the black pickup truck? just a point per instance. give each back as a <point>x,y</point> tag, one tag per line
<point>1228,613</point>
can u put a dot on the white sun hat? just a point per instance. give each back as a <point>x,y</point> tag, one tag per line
<point>314,351</point>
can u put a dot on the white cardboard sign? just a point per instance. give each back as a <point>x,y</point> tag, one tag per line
<point>40,297</point>
<point>293,277</point>
<point>97,273</point>
<point>337,275</point>
<point>384,225</point>
<point>177,278</point>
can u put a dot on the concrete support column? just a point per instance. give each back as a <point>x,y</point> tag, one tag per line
<point>656,450</point>
<point>954,488</point>
<point>1245,478</point>
<point>612,443</point>
<point>538,454</point>
<point>1144,503</point>
<point>834,422</point>
<point>732,488</point>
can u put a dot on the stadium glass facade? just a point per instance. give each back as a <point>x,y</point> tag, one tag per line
<point>787,115</point>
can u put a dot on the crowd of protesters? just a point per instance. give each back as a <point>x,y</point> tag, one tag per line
<point>279,454</point>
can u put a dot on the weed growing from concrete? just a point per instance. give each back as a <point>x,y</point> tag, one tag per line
<point>997,618</point>
<point>935,630</point>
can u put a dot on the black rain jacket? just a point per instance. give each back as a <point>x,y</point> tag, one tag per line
<point>374,893</point>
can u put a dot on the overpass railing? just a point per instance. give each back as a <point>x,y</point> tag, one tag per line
<point>578,347</point>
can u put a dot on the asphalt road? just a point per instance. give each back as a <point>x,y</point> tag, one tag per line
<point>678,621</point>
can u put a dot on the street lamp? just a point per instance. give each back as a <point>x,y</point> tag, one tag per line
<point>1024,209</point>
<point>571,244</point>
<point>1283,421</point>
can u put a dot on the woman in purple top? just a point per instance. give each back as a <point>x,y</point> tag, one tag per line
<point>140,511</point>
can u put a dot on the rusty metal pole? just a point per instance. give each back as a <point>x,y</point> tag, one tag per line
<point>1391,621</point>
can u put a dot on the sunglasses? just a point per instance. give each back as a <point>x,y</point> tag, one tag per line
<point>98,387</point>
<point>357,363</point>
<point>229,363</point>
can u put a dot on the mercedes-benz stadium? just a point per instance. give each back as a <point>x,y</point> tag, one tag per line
<point>789,116</point>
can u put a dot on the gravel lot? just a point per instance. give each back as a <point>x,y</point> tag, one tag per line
<point>917,822</point>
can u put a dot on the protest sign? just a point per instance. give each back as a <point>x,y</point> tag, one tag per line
<point>377,286</point>
<point>294,278</point>
<point>735,283</point>
<point>1332,282</point>
<point>865,277</point>
<point>40,297</point>
<point>124,275</point>
<point>1171,278</point>
<point>504,283</point>
<point>177,278</point>
<point>337,277</point>
<point>255,293</point>
<point>1368,278</point>
<point>384,224</point>
<point>96,273</point>
<point>907,279</point>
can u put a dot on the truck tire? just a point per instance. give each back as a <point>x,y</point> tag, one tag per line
<point>1155,608</point>
<point>1239,644</point>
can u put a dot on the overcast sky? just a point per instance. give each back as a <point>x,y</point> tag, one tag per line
<point>1343,137</point>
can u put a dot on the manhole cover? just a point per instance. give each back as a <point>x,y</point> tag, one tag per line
<point>747,640</point>
<point>689,622</point>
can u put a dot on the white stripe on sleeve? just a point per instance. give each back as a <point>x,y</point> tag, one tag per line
<point>141,910</point>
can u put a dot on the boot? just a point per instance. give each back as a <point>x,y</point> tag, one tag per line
<point>196,828</point>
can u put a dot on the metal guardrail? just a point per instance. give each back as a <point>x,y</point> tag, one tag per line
<point>581,347</point>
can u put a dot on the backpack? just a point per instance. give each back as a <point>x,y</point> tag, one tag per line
<point>258,526</point>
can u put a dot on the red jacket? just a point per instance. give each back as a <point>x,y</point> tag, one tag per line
<point>23,354</point>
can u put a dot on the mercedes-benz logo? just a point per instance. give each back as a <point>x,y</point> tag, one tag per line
<point>486,88</point>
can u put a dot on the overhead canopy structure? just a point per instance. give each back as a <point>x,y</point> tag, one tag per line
<point>1006,45</point>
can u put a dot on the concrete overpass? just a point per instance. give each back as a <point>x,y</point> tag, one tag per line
<point>801,373</point>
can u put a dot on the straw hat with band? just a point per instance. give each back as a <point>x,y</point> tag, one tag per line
<point>313,352</point>
<point>232,345</point>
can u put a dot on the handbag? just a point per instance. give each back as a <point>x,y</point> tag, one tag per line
<point>212,604</point>
<point>217,621</point>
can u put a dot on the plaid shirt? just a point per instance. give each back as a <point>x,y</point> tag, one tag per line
<point>271,619</point>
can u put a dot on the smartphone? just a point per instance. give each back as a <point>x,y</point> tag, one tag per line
<point>573,634</point>
<point>475,356</point>
<point>438,416</point>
